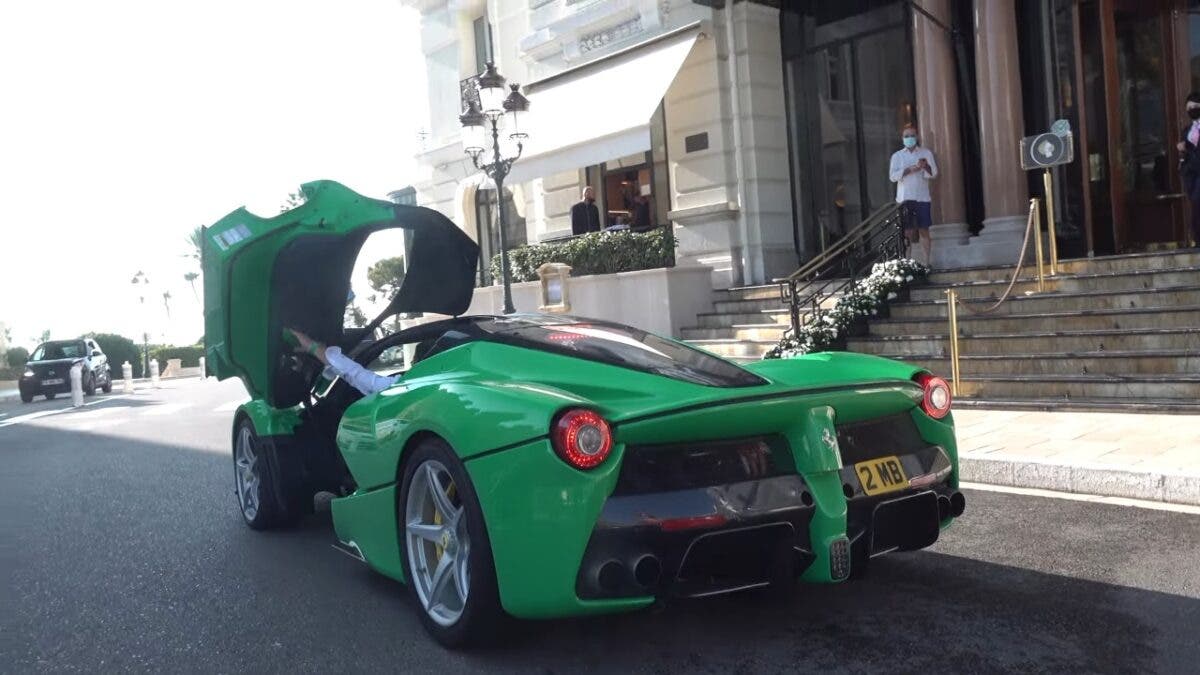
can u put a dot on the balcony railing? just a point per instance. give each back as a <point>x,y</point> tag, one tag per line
<point>468,92</point>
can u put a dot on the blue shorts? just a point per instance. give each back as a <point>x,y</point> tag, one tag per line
<point>921,215</point>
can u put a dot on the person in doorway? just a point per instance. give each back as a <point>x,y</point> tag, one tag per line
<point>585,217</point>
<point>911,170</point>
<point>1189,162</point>
<point>641,213</point>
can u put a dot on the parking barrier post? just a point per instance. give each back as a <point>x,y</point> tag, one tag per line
<point>154,373</point>
<point>77,385</point>
<point>203,372</point>
<point>127,375</point>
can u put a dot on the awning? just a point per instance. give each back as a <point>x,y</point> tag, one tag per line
<point>600,113</point>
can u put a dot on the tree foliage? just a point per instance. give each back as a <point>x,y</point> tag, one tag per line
<point>17,356</point>
<point>386,276</point>
<point>119,349</point>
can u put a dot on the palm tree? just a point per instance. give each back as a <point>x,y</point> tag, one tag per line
<point>191,277</point>
<point>194,239</point>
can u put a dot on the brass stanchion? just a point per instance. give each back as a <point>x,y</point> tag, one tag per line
<point>952,307</point>
<point>1037,237</point>
<point>1048,184</point>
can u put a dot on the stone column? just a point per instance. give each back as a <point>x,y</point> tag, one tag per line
<point>937,114</point>
<point>1001,126</point>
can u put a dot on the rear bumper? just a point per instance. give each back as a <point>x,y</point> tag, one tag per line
<point>713,540</point>
<point>700,541</point>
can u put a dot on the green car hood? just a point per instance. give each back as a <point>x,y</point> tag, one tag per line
<point>262,274</point>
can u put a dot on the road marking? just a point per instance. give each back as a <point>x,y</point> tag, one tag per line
<point>231,406</point>
<point>1073,496</point>
<point>46,413</point>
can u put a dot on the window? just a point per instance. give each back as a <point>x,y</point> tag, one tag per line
<point>619,345</point>
<point>483,43</point>
<point>488,223</point>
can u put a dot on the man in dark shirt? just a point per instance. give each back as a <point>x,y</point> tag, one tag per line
<point>585,217</point>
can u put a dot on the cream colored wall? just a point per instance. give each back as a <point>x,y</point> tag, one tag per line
<point>667,300</point>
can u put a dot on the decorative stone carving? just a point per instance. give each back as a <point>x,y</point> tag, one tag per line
<point>618,33</point>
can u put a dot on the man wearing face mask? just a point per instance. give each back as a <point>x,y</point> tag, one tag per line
<point>1189,163</point>
<point>911,170</point>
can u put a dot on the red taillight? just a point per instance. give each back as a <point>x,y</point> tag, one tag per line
<point>936,402</point>
<point>582,438</point>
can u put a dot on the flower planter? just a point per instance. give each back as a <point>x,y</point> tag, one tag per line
<point>857,328</point>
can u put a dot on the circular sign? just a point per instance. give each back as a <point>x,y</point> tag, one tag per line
<point>1060,127</point>
<point>1047,150</point>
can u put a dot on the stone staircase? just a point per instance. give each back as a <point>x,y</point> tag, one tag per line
<point>1119,332</point>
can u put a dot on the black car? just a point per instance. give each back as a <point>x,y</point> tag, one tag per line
<point>48,371</point>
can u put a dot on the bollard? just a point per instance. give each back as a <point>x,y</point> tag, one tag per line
<point>154,373</point>
<point>203,372</point>
<point>77,385</point>
<point>127,375</point>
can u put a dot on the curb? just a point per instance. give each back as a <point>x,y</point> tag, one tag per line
<point>1093,479</point>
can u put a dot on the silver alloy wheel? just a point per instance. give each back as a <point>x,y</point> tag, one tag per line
<point>438,544</point>
<point>245,467</point>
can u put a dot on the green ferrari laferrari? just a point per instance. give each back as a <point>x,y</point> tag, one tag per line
<point>541,466</point>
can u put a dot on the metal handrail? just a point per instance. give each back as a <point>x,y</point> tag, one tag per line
<point>841,244</point>
<point>874,240</point>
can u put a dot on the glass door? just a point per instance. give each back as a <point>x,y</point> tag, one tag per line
<point>1147,104</point>
<point>849,90</point>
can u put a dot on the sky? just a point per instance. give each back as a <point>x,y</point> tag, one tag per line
<point>124,124</point>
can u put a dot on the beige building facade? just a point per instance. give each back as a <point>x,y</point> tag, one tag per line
<point>759,131</point>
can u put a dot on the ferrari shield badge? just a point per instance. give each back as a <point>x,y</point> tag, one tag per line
<point>829,440</point>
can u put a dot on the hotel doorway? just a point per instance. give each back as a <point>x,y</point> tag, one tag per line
<point>1133,70</point>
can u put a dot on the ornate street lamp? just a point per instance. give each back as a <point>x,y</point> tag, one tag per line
<point>498,114</point>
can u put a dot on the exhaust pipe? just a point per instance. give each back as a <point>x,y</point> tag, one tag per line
<point>958,504</point>
<point>646,570</point>
<point>944,508</point>
<point>608,575</point>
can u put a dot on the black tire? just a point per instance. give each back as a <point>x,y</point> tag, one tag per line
<point>107,386</point>
<point>482,620</point>
<point>89,385</point>
<point>50,397</point>
<point>26,398</point>
<point>276,503</point>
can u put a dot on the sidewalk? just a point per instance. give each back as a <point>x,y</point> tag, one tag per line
<point>1151,457</point>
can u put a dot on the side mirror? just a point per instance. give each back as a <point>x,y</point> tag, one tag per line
<point>96,352</point>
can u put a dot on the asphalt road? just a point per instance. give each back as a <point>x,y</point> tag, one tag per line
<point>122,550</point>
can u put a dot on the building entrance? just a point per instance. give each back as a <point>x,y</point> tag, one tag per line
<point>1132,75</point>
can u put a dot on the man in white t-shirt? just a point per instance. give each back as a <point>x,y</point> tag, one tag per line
<point>911,170</point>
<point>361,378</point>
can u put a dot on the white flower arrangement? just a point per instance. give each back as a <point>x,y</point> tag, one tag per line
<point>859,301</point>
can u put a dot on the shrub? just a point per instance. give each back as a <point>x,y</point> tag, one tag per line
<point>16,357</point>
<point>119,349</point>
<point>189,355</point>
<point>594,253</point>
<point>861,301</point>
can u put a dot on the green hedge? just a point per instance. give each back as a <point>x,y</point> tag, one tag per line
<point>119,349</point>
<point>189,355</point>
<point>594,253</point>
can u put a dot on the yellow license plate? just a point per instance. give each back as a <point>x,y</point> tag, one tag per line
<point>880,475</point>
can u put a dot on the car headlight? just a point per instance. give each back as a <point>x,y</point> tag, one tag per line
<point>28,372</point>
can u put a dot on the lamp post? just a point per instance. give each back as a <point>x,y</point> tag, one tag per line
<point>498,114</point>
<point>142,283</point>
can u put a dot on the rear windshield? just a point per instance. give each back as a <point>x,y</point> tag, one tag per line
<point>620,346</point>
<point>59,350</point>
